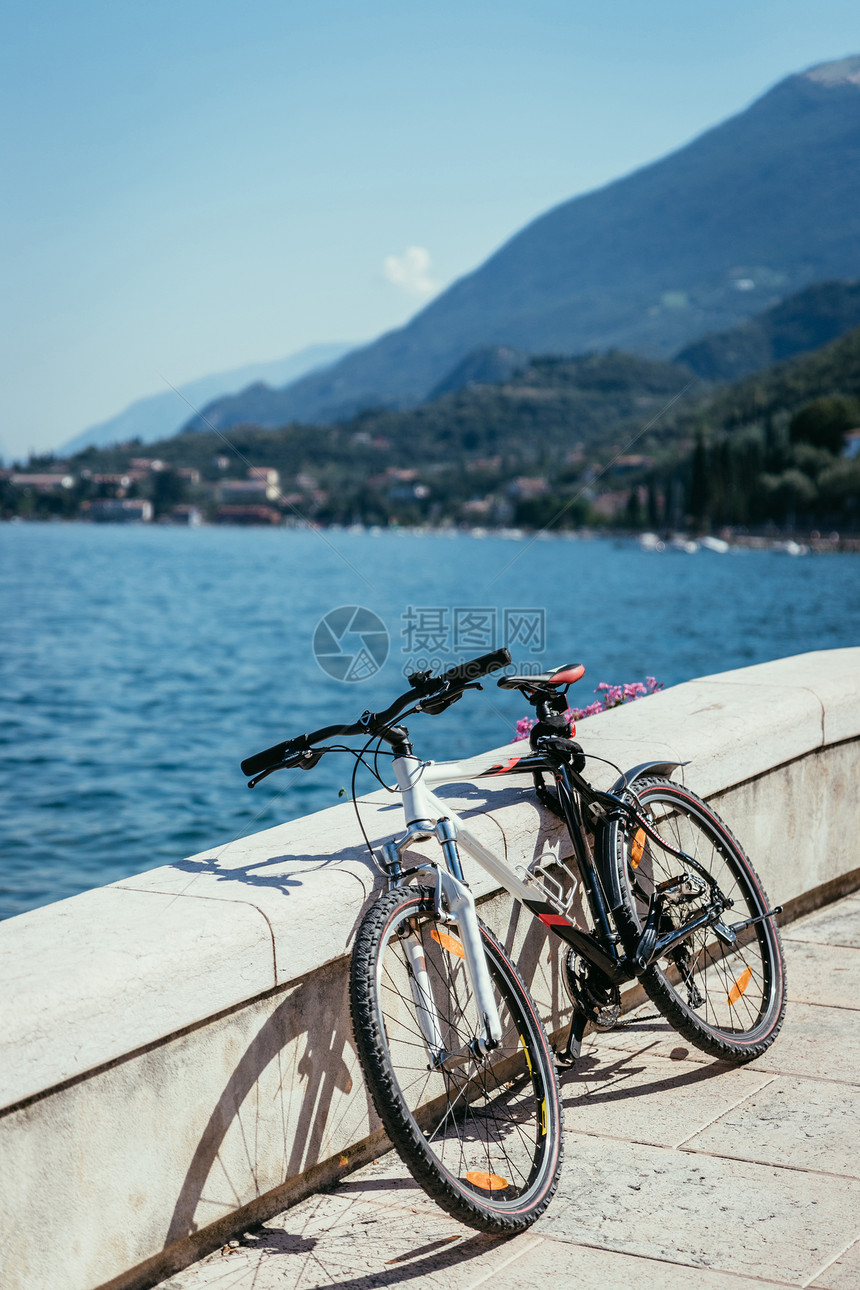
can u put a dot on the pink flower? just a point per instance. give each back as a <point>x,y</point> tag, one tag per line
<point>524,725</point>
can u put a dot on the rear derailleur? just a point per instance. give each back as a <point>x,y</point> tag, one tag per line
<point>686,965</point>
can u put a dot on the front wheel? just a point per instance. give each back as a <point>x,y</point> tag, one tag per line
<point>480,1131</point>
<point>728,1000</point>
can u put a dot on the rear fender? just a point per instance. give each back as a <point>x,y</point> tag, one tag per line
<point>645,768</point>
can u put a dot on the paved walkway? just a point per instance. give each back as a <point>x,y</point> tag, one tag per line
<point>679,1171</point>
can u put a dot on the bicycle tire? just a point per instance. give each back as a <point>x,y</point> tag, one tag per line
<point>735,997</point>
<point>483,1138</point>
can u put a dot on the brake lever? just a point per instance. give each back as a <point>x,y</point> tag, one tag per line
<point>436,703</point>
<point>281,765</point>
<point>302,761</point>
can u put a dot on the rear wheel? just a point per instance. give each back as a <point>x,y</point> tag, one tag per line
<point>480,1132</point>
<point>728,1000</point>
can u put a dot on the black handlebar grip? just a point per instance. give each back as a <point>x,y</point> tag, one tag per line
<point>263,760</point>
<point>476,667</point>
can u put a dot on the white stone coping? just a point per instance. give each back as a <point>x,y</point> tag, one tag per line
<point>91,979</point>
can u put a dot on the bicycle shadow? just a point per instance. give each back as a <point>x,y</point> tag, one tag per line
<point>625,1068</point>
<point>291,1093</point>
<point>430,1258</point>
<point>287,872</point>
<point>284,881</point>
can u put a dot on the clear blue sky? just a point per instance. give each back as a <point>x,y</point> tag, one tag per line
<point>189,185</point>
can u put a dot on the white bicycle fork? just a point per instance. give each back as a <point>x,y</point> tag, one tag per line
<point>454,904</point>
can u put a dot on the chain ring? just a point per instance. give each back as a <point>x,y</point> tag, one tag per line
<point>600,1004</point>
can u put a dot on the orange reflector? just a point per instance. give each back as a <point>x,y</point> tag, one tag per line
<point>453,946</point>
<point>637,848</point>
<point>740,985</point>
<point>487,1182</point>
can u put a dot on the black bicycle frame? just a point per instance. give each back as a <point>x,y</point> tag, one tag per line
<point>600,948</point>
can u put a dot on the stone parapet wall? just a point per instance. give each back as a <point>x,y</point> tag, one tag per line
<point>176,1057</point>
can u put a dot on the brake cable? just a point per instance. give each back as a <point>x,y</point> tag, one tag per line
<point>359,757</point>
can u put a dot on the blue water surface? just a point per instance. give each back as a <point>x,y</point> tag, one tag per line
<point>139,665</point>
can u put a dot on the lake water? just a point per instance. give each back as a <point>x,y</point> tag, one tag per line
<point>139,665</point>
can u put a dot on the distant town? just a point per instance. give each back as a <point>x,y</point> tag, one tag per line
<point>151,491</point>
<point>147,490</point>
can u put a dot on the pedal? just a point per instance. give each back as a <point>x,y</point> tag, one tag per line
<point>607,1017</point>
<point>685,887</point>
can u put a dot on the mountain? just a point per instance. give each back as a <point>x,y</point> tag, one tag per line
<point>802,322</point>
<point>491,366</point>
<point>260,405</point>
<point>753,210</point>
<point>160,415</point>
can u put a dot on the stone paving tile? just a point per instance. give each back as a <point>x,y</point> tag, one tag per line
<point>651,1099</point>
<point>796,1122</point>
<point>844,1274</point>
<point>824,1042</point>
<point>825,974</point>
<point>388,1181</point>
<point>550,1263</point>
<point>837,924</point>
<point>644,1032</point>
<point>728,1215</point>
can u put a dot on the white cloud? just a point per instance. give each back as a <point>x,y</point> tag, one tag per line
<point>411,271</point>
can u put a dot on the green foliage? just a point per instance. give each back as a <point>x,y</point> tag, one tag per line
<point>168,490</point>
<point>824,422</point>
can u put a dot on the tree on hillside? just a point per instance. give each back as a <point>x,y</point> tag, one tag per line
<point>825,422</point>
<point>700,484</point>
<point>168,490</point>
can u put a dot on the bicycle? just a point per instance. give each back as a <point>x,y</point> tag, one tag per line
<point>457,1060</point>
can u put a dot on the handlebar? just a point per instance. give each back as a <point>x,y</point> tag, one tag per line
<point>432,694</point>
<point>475,667</point>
